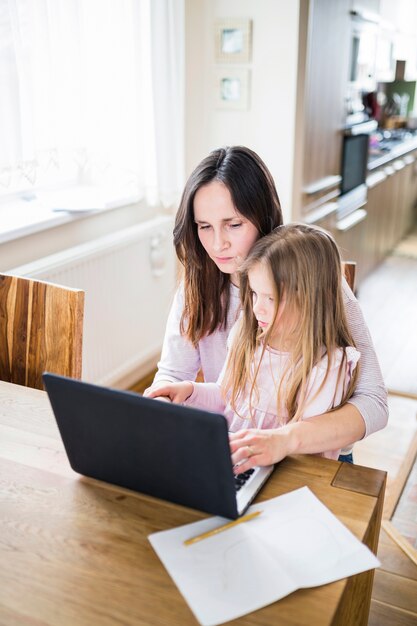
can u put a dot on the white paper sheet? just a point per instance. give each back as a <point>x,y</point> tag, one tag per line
<point>296,542</point>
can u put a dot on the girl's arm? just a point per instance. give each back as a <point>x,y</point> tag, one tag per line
<point>172,392</point>
<point>210,396</point>
<point>207,396</point>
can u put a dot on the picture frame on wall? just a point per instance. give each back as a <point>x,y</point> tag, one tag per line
<point>233,40</point>
<point>232,89</point>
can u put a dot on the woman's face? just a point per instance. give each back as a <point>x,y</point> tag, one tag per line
<point>224,233</point>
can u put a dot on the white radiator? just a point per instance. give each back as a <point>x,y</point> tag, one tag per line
<point>129,281</point>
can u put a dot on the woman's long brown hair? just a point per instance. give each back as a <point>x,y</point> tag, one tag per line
<point>253,192</point>
<point>305,265</point>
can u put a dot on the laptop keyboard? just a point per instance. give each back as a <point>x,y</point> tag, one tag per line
<point>241,479</point>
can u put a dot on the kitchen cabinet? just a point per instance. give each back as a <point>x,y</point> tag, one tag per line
<point>409,193</point>
<point>324,217</point>
<point>368,235</point>
<point>323,74</point>
<point>372,248</point>
<point>398,202</point>
<point>351,236</point>
<point>387,214</point>
<point>392,193</point>
<point>412,200</point>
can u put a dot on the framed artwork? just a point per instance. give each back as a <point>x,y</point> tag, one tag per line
<point>232,89</point>
<point>233,40</point>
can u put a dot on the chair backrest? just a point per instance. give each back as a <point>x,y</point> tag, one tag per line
<point>349,270</point>
<point>41,329</point>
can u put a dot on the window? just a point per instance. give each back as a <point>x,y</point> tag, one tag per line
<point>92,95</point>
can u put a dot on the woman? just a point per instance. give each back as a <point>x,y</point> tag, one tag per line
<point>229,202</point>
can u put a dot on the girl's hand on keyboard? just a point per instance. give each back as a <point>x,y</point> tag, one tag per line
<point>174,392</point>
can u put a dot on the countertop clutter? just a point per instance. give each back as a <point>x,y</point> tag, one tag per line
<point>387,145</point>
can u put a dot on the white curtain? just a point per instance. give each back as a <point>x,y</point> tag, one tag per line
<point>91,91</point>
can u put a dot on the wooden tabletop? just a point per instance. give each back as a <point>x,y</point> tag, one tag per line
<point>74,551</point>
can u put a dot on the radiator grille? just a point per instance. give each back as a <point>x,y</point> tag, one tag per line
<point>129,281</point>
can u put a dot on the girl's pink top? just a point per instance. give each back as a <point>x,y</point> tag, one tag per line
<point>182,361</point>
<point>265,411</point>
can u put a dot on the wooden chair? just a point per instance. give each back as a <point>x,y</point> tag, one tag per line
<point>349,270</point>
<point>41,329</point>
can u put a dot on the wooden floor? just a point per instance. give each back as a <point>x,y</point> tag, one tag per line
<point>389,301</point>
<point>394,596</point>
<point>143,383</point>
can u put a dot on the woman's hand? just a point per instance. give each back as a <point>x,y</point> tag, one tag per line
<point>174,392</point>
<point>252,447</point>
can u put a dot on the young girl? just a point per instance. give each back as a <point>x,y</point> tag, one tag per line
<point>291,354</point>
<point>229,202</point>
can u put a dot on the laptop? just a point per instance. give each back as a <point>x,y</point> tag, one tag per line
<point>169,451</point>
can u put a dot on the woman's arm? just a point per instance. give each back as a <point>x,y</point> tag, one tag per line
<point>329,431</point>
<point>179,359</point>
<point>313,434</point>
<point>370,396</point>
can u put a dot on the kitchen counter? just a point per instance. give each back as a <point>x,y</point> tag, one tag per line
<point>393,149</point>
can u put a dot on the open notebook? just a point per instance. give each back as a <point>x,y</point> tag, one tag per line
<point>166,450</point>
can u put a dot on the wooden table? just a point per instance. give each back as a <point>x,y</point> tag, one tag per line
<point>74,551</point>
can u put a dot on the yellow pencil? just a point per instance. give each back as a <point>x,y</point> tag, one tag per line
<point>220,529</point>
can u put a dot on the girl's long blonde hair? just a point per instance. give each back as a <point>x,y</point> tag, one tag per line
<point>305,265</point>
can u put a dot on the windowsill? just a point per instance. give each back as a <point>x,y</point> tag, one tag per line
<point>21,217</point>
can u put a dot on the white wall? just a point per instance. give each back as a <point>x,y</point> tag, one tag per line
<point>268,125</point>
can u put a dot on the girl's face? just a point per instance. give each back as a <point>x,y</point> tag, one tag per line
<point>264,301</point>
<point>224,233</point>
